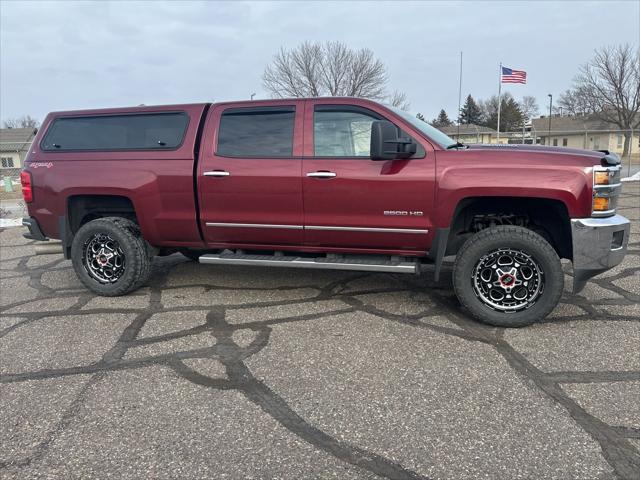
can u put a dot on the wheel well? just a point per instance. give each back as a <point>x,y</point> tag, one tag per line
<point>546,217</point>
<point>84,208</point>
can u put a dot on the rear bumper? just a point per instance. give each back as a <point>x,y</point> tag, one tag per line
<point>34,232</point>
<point>598,245</point>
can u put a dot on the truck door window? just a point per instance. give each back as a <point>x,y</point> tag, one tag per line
<point>256,132</point>
<point>341,133</point>
<point>345,131</point>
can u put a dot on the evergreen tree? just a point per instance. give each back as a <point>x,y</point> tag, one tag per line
<point>511,116</point>
<point>442,120</point>
<point>419,116</point>
<point>470,112</point>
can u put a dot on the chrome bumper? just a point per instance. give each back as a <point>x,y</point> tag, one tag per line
<point>598,245</point>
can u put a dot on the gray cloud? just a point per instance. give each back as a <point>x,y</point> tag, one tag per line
<point>65,55</point>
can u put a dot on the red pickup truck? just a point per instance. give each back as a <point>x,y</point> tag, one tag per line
<point>332,183</point>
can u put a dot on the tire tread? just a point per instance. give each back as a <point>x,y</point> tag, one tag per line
<point>506,234</point>
<point>139,262</point>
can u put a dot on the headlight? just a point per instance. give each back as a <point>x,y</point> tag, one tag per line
<point>606,188</point>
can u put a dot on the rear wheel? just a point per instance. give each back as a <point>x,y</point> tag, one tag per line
<point>110,256</point>
<point>508,276</point>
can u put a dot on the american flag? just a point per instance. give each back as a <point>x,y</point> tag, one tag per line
<point>513,76</point>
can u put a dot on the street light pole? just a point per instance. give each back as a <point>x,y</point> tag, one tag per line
<point>253,95</point>
<point>550,106</point>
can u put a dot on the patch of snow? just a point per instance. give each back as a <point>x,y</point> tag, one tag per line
<point>633,178</point>
<point>10,222</point>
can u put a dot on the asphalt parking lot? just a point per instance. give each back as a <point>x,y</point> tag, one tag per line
<point>216,372</point>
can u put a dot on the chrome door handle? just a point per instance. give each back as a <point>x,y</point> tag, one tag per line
<point>216,173</point>
<point>321,174</point>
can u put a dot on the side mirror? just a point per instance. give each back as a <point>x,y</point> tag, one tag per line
<point>385,143</point>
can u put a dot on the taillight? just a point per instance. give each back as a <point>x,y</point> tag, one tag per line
<point>27,187</point>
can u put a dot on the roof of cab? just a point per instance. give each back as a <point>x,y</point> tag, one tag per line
<point>189,106</point>
<point>138,108</point>
<point>299,99</point>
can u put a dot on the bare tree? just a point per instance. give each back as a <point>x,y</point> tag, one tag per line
<point>331,69</point>
<point>334,74</point>
<point>573,102</point>
<point>610,86</point>
<point>529,107</point>
<point>25,121</point>
<point>399,100</point>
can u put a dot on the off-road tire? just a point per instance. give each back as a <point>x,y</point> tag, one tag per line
<point>137,254</point>
<point>508,237</point>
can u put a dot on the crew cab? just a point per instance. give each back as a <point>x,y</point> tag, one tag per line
<point>331,183</point>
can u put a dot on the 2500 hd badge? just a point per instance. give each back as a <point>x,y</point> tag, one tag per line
<point>400,213</point>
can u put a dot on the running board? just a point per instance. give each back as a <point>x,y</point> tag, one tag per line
<point>373,265</point>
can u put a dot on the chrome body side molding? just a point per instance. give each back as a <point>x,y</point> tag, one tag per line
<point>319,227</point>
<point>254,225</point>
<point>366,229</point>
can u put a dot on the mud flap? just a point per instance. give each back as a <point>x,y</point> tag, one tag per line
<point>438,250</point>
<point>582,276</point>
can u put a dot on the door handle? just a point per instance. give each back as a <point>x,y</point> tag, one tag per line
<point>321,174</point>
<point>216,173</point>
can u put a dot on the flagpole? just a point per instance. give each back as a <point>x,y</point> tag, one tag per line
<point>459,97</point>
<point>499,102</point>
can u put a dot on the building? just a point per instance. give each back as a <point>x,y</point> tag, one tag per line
<point>14,145</point>
<point>470,133</point>
<point>582,132</point>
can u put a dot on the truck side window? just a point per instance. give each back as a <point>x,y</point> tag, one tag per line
<point>146,131</point>
<point>341,133</point>
<point>256,132</point>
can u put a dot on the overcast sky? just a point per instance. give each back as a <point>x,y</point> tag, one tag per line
<point>66,55</point>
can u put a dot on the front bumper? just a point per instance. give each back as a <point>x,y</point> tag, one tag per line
<point>598,245</point>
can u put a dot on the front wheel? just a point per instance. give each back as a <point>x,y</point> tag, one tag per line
<point>508,276</point>
<point>110,256</point>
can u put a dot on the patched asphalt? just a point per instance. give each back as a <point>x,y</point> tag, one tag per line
<point>221,372</point>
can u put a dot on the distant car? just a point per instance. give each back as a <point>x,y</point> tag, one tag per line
<point>331,183</point>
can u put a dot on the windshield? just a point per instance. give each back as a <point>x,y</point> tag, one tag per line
<point>433,133</point>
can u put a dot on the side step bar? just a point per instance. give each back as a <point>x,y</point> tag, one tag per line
<point>373,265</point>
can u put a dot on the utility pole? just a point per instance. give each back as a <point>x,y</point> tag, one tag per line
<point>550,107</point>
<point>499,102</point>
<point>459,97</point>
